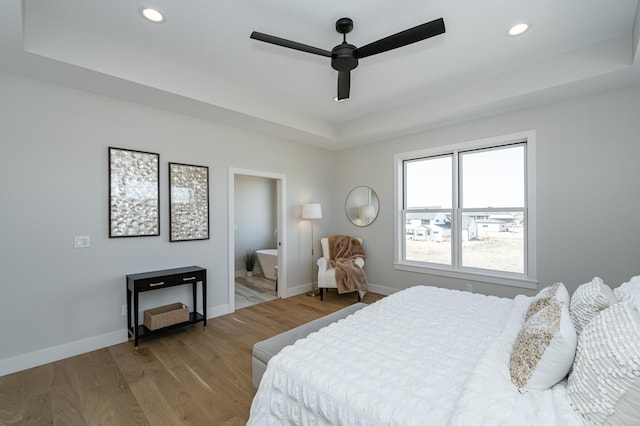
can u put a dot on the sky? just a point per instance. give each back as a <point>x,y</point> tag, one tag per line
<point>490,178</point>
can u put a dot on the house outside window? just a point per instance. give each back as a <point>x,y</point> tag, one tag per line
<point>468,211</point>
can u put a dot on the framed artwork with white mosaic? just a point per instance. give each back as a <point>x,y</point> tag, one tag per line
<point>134,193</point>
<point>188,202</point>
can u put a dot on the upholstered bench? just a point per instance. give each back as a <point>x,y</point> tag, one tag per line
<point>264,350</point>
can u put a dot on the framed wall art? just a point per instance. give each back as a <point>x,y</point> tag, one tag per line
<point>188,202</point>
<point>134,193</point>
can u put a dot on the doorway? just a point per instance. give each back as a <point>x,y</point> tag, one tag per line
<point>256,221</point>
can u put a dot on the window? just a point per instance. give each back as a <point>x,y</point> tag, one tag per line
<point>467,210</point>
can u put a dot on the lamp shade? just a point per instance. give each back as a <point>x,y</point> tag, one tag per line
<point>367,212</point>
<point>312,211</point>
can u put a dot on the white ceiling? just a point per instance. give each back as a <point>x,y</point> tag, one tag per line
<point>201,61</point>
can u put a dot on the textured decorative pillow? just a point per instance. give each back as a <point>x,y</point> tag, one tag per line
<point>604,385</point>
<point>544,349</point>
<point>556,292</point>
<point>629,291</point>
<point>588,300</point>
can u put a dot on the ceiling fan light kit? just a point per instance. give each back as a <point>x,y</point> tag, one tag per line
<point>345,56</point>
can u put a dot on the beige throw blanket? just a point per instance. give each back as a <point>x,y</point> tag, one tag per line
<point>343,252</point>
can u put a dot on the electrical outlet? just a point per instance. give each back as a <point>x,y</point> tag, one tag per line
<point>81,241</point>
<point>124,310</point>
<point>470,287</point>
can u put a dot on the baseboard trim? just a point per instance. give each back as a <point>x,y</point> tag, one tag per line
<point>375,288</point>
<point>216,311</point>
<point>56,353</point>
<point>294,291</point>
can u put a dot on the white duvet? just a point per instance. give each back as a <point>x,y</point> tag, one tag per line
<point>422,356</point>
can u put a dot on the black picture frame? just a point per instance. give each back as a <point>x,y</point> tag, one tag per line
<point>188,202</point>
<point>134,193</point>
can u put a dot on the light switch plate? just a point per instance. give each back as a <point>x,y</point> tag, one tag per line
<point>81,241</point>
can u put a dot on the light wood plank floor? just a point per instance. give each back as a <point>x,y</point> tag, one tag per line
<point>252,290</point>
<point>189,377</point>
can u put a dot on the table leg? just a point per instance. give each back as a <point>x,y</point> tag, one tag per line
<point>204,300</point>
<point>129,329</point>
<point>194,291</point>
<point>135,318</point>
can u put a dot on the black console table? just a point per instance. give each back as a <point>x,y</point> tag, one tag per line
<point>146,281</point>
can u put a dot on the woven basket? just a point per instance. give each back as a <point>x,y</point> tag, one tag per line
<point>164,316</point>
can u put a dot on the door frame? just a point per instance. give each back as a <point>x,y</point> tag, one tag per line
<point>281,202</point>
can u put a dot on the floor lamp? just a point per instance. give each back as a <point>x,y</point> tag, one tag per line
<point>312,211</point>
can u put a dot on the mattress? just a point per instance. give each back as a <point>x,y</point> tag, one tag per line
<point>424,355</point>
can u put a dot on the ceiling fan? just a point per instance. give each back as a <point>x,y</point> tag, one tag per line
<point>344,57</point>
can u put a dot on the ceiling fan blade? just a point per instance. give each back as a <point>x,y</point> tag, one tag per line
<point>403,38</point>
<point>288,43</point>
<point>344,85</point>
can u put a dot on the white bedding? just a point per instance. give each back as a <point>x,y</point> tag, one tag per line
<point>424,355</point>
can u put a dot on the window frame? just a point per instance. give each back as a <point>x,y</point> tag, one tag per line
<point>528,279</point>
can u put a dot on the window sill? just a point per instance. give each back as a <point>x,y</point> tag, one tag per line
<point>505,280</point>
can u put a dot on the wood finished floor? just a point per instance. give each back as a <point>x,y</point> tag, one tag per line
<point>189,377</point>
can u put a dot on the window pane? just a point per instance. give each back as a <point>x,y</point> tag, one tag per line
<point>493,241</point>
<point>428,237</point>
<point>493,177</point>
<point>428,183</point>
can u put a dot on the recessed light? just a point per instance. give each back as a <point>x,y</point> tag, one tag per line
<point>518,29</point>
<point>152,15</point>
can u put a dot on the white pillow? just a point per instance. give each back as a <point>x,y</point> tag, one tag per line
<point>554,293</point>
<point>604,385</point>
<point>629,291</point>
<point>588,300</point>
<point>544,349</point>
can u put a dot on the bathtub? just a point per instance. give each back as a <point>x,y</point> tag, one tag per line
<point>268,259</point>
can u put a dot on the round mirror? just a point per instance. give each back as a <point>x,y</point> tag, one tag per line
<point>362,206</point>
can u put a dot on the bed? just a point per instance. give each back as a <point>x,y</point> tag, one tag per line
<point>426,355</point>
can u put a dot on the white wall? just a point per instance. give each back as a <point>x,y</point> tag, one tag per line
<point>588,190</point>
<point>56,300</point>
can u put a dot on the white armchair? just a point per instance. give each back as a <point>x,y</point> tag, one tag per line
<point>326,272</point>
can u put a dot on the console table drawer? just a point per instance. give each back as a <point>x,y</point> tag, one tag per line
<point>161,279</point>
<point>167,281</point>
